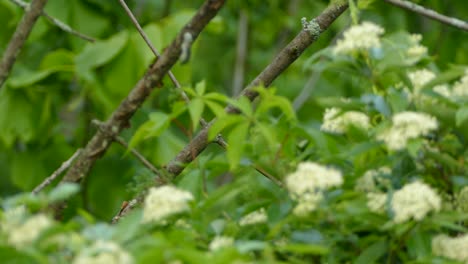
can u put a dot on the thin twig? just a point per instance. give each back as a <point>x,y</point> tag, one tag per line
<point>56,22</point>
<point>176,83</point>
<point>65,165</point>
<point>241,53</point>
<point>19,38</point>
<point>451,21</point>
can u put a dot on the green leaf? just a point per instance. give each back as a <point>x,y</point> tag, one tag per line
<point>196,108</point>
<point>157,124</point>
<point>216,108</point>
<point>304,249</point>
<point>461,116</point>
<point>372,253</point>
<point>63,191</point>
<point>222,123</point>
<point>99,53</point>
<point>243,104</point>
<point>354,12</point>
<point>200,88</point>
<point>236,139</point>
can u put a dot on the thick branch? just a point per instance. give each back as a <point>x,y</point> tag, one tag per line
<point>120,118</point>
<point>285,58</point>
<point>454,22</point>
<point>56,22</point>
<point>19,38</point>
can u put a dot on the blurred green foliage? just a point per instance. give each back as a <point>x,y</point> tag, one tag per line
<point>60,83</point>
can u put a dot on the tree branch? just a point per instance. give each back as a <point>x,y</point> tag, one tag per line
<point>56,22</point>
<point>19,38</point>
<point>454,22</point>
<point>176,83</point>
<point>285,58</point>
<point>56,173</point>
<point>120,118</point>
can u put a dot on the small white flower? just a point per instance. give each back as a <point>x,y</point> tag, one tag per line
<point>406,126</point>
<point>335,122</point>
<point>165,201</point>
<point>416,50</point>
<point>414,200</point>
<point>359,37</point>
<point>310,177</point>
<point>376,202</point>
<point>26,233</point>
<point>420,78</point>
<point>369,181</point>
<point>255,217</point>
<point>307,203</point>
<point>460,88</point>
<point>453,248</point>
<point>103,252</point>
<point>221,242</point>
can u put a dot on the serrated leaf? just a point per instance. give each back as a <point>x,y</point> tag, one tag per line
<point>461,116</point>
<point>243,104</point>
<point>63,191</point>
<point>236,139</point>
<point>157,124</point>
<point>216,97</point>
<point>216,108</point>
<point>196,108</point>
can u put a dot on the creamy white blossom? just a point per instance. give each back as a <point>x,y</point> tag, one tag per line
<point>406,126</point>
<point>451,247</point>
<point>414,201</point>
<point>21,234</point>
<point>103,252</point>
<point>306,184</point>
<point>460,88</point>
<point>416,50</point>
<point>307,203</point>
<point>220,242</point>
<point>335,122</point>
<point>165,201</point>
<point>462,200</point>
<point>255,217</point>
<point>376,202</point>
<point>420,78</point>
<point>369,181</point>
<point>359,37</point>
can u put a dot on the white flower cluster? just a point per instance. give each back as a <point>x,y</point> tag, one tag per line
<point>165,201</point>
<point>22,230</point>
<point>460,88</point>
<point>359,37</point>
<point>420,78</point>
<point>335,122</point>
<point>454,248</point>
<point>369,181</point>
<point>462,200</point>
<point>220,242</point>
<point>413,201</point>
<point>416,50</point>
<point>256,217</point>
<point>405,126</point>
<point>103,252</point>
<point>306,184</point>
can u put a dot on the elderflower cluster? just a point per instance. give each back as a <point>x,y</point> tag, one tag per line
<point>103,252</point>
<point>406,126</point>
<point>165,201</point>
<point>416,50</point>
<point>306,184</point>
<point>255,217</point>
<point>454,248</point>
<point>420,78</point>
<point>460,88</point>
<point>462,200</point>
<point>359,37</point>
<point>413,201</point>
<point>22,230</point>
<point>220,242</point>
<point>371,179</point>
<point>334,122</point>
